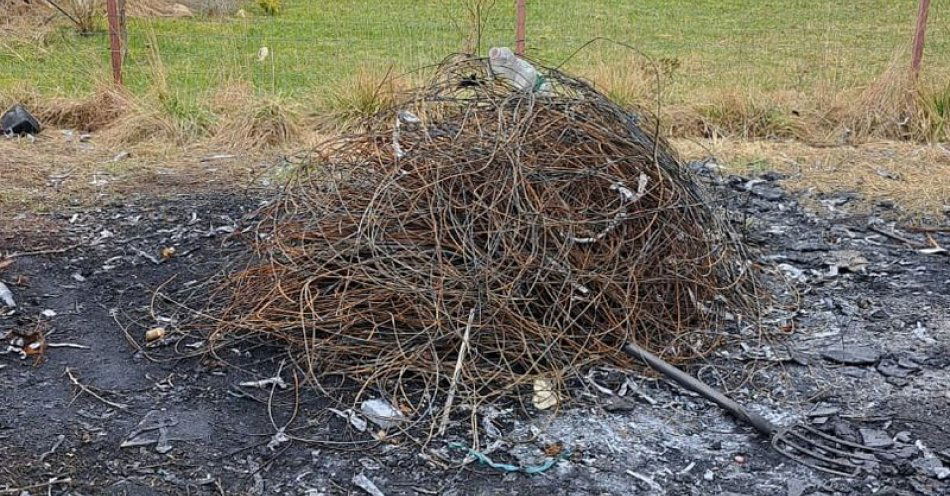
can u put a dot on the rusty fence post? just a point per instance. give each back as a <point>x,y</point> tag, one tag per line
<point>520,16</point>
<point>919,36</point>
<point>115,39</point>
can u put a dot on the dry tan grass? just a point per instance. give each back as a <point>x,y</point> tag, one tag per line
<point>92,113</point>
<point>894,106</point>
<point>754,114</point>
<point>56,171</point>
<point>142,124</point>
<point>20,21</point>
<point>889,108</point>
<point>251,121</point>
<point>739,113</point>
<point>914,176</point>
<point>629,83</point>
<point>367,92</point>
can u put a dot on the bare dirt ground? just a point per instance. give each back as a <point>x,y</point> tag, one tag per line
<point>868,358</point>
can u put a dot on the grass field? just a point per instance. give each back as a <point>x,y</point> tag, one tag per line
<point>797,70</point>
<point>706,45</point>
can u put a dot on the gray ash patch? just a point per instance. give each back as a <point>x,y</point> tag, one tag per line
<point>859,292</point>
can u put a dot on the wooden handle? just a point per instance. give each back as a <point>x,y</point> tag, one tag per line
<point>693,384</point>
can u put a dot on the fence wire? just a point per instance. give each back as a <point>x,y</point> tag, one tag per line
<point>308,48</point>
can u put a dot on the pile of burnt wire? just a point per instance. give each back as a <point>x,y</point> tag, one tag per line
<point>476,237</point>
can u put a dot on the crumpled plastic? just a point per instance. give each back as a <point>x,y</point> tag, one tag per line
<point>507,467</point>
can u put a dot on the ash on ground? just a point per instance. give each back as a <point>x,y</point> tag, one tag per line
<point>868,354</point>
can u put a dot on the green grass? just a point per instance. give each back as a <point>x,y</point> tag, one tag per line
<point>709,44</point>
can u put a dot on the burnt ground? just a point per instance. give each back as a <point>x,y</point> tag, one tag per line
<point>866,299</point>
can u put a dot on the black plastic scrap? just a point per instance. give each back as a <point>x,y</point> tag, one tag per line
<point>18,120</point>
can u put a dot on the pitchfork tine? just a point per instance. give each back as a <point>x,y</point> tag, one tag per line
<point>811,454</point>
<point>833,449</point>
<point>777,441</point>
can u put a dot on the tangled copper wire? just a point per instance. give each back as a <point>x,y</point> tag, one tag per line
<point>532,234</point>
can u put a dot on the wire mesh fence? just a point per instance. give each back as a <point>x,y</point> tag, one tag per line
<point>307,48</point>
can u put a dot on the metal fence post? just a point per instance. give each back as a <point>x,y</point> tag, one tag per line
<point>520,16</point>
<point>115,39</point>
<point>919,36</point>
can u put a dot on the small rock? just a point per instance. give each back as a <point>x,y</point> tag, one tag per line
<point>889,367</point>
<point>903,437</point>
<point>897,381</point>
<point>824,411</point>
<point>796,487</point>
<point>856,355</point>
<point>931,466</point>
<point>770,194</point>
<point>855,372</point>
<point>907,363</point>
<point>846,260</point>
<point>845,431</point>
<point>618,404</point>
<point>906,451</point>
<point>879,315</point>
<point>876,438</point>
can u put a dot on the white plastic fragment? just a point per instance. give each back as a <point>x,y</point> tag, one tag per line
<point>6,296</point>
<point>279,438</point>
<point>278,381</point>
<point>627,196</point>
<point>404,117</point>
<point>792,272</point>
<point>358,423</point>
<point>505,64</point>
<point>381,413</point>
<point>545,396</point>
<point>363,482</point>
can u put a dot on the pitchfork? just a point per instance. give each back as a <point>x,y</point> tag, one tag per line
<point>802,443</point>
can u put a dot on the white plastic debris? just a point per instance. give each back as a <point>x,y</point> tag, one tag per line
<point>358,423</point>
<point>48,313</point>
<point>627,196</point>
<point>6,296</point>
<point>381,413</point>
<point>277,381</point>
<point>545,396</point>
<point>279,438</point>
<point>792,272</point>
<point>403,118</point>
<point>363,482</point>
<point>505,64</point>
